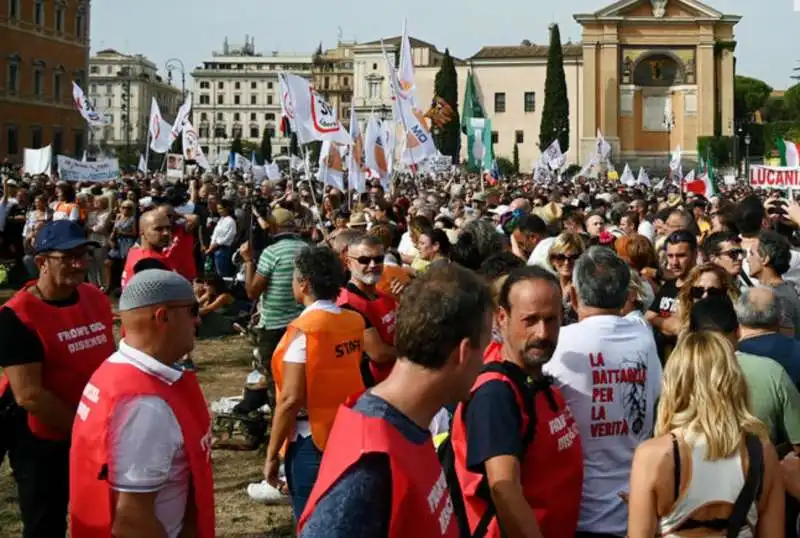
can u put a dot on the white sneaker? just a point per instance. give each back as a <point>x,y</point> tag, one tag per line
<point>262,492</point>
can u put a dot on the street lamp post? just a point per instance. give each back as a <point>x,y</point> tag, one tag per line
<point>669,124</point>
<point>177,63</point>
<point>747,140</point>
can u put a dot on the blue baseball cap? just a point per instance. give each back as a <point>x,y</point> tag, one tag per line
<point>61,235</point>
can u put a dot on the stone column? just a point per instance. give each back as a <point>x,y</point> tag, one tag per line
<point>726,92</point>
<point>589,125</point>
<point>705,88</point>
<point>609,82</point>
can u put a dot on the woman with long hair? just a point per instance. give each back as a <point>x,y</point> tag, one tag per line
<point>685,481</point>
<point>706,280</point>
<point>563,254</point>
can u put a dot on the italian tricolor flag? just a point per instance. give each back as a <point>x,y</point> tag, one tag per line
<point>790,153</point>
<point>702,185</point>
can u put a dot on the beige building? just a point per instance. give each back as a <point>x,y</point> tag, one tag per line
<point>649,74</point>
<point>332,77</point>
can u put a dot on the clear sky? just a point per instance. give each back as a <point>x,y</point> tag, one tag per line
<point>767,36</point>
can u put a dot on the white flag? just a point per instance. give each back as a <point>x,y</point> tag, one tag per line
<point>182,117</point>
<point>627,178</point>
<point>85,108</point>
<point>142,164</point>
<point>85,157</point>
<point>160,130</point>
<point>37,161</point>
<point>602,148</point>
<point>311,117</point>
<point>272,171</point>
<point>588,166</point>
<point>643,178</point>
<point>191,146</point>
<point>675,159</point>
<point>551,154</point>
<point>331,170</point>
<point>407,84</point>
<point>296,163</point>
<point>375,149</point>
<point>356,168</point>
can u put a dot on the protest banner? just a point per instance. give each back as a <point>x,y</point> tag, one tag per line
<point>774,177</point>
<point>96,171</point>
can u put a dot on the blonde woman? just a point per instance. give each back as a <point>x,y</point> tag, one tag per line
<point>706,280</point>
<point>686,480</point>
<point>563,254</point>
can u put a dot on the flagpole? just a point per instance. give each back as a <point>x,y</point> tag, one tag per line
<point>307,166</point>
<point>147,152</point>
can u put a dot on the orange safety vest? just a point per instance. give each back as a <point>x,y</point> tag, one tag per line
<point>334,345</point>
<point>390,273</point>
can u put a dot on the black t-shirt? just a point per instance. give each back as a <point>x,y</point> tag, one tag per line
<point>352,288</point>
<point>493,423</point>
<point>19,344</point>
<point>666,300</point>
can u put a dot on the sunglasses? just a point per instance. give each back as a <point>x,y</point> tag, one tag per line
<point>565,258</point>
<point>734,253</point>
<point>698,292</point>
<point>364,260</point>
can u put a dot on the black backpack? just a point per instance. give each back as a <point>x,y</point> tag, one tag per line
<point>447,454</point>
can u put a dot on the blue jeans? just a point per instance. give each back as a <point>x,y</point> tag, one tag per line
<point>302,466</point>
<point>222,261</point>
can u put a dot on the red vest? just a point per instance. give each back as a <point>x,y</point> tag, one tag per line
<point>135,255</point>
<point>90,496</point>
<point>421,503</point>
<point>552,468</point>
<point>382,314</point>
<point>75,339</point>
<point>180,254</point>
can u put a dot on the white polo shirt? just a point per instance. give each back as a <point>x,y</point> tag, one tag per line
<point>146,449</point>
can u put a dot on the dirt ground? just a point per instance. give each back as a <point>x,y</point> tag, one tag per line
<point>223,365</point>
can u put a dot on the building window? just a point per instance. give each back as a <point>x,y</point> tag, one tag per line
<point>237,99</point>
<point>38,81</point>
<point>220,100</point>
<point>237,86</point>
<point>203,132</point>
<point>345,82</point>
<point>59,18</point>
<point>236,116</point>
<point>36,137</point>
<point>499,102</point>
<point>93,89</point>
<point>110,69</point>
<point>346,98</point>
<point>220,116</point>
<point>205,148</point>
<point>269,116</point>
<point>220,85</point>
<point>253,116</point>
<point>77,142</point>
<point>374,89</point>
<point>253,99</point>
<point>13,12</point>
<point>284,150</point>
<point>94,70</point>
<point>108,89</point>
<point>253,132</point>
<point>326,83</point>
<point>374,67</point>
<point>58,141</point>
<point>269,85</point>
<point>57,87</point>
<point>203,116</point>
<point>38,13</point>
<point>495,137</point>
<point>204,85</point>
<point>12,82</point>
<point>220,132</point>
<point>269,99</point>
<point>80,30</point>
<point>205,100</point>
<point>236,132</point>
<point>12,138</point>
<point>253,85</point>
<point>530,101</point>
<point>519,137</point>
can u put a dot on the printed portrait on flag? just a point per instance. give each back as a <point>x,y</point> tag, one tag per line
<point>323,115</point>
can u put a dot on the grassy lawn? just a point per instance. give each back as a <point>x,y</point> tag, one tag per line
<point>223,365</point>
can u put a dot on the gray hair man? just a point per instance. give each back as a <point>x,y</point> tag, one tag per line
<point>607,367</point>
<point>759,312</point>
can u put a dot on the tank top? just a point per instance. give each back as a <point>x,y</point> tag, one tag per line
<point>709,482</point>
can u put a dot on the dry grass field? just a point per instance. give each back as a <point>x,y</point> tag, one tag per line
<point>223,365</point>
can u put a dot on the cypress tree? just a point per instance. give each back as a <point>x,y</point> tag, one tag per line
<point>266,146</point>
<point>448,137</point>
<point>516,158</point>
<point>294,148</point>
<point>236,146</point>
<point>555,114</point>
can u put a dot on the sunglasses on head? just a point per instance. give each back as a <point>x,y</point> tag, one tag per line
<point>364,260</point>
<point>565,258</point>
<point>698,292</point>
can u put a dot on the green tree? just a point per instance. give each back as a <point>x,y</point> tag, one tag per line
<point>294,147</point>
<point>555,114</point>
<point>266,146</point>
<point>314,148</point>
<point>791,100</point>
<point>236,146</point>
<point>516,158</point>
<point>749,96</point>
<point>776,109</point>
<point>448,137</point>
<point>505,166</point>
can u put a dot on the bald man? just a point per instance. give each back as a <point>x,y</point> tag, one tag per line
<point>155,237</point>
<point>140,456</point>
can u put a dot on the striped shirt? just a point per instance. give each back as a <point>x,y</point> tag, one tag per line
<point>276,265</point>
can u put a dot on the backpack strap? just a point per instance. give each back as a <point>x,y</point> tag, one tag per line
<point>752,486</point>
<point>527,394</point>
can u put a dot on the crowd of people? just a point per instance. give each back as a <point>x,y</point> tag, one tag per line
<point>441,357</point>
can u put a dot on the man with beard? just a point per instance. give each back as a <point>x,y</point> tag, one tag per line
<point>608,369</point>
<point>155,237</point>
<point>516,444</point>
<point>365,257</point>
